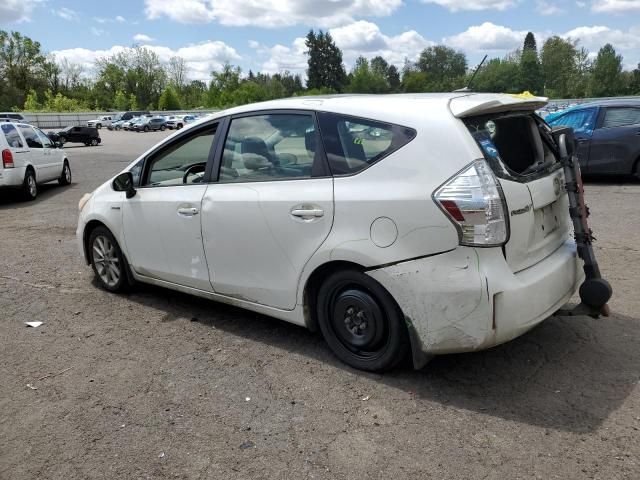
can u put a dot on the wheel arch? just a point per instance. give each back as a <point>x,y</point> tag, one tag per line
<point>88,228</point>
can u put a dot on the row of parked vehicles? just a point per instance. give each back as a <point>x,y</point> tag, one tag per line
<point>142,121</point>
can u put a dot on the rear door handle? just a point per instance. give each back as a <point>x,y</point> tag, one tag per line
<point>187,211</point>
<point>307,212</point>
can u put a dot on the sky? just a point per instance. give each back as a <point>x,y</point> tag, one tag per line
<point>268,35</point>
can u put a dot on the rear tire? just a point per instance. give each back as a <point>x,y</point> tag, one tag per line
<point>179,126</point>
<point>107,260</point>
<point>361,322</point>
<point>65,177</point>
<point>62,140</point>
<point>163,128</point>
<point>146,128</point>
<point>99,126</point>
<point>94,142</point>
<point>29,186</point>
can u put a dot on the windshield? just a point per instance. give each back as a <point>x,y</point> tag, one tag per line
<point>118,116</point>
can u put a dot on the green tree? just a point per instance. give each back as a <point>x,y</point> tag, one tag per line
<point>413,81</point>
<point>21,65</point>
<point>499,76</point>
<point>445,68</point>
<point>634,83</point>
<point>31,102</point>
<point>133,102</point>
<point>120,101</point>
<point>559,66</point>
<point>169,99</point>
<point>530,68</point>
<point>606,79</point>
<point>325,62</point>
<point>364,79</point>
<point>393,78</point>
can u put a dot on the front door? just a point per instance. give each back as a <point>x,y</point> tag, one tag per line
<point>615,144</point>
<point>270,210</point>
<point>162,221</point>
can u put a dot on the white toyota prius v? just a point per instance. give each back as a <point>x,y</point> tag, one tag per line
<point>400,226</point>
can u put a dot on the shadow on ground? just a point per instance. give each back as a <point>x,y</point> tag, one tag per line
<point>566,374</point>
<point>12,198</point>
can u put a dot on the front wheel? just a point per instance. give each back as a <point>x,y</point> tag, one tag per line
<point>107,260</point>
<point>99,126</point>
<point>65,177</point>
<point>162,128</point>
<point>146,128</point>
<point>361,322</point>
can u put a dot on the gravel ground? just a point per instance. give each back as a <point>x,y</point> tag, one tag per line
<point>156,384</point>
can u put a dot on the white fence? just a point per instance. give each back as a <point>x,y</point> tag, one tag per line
<point>58,120</point>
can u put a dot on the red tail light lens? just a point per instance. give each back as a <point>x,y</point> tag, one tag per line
<point>7,158</point>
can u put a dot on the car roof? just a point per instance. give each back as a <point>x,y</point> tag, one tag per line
<point>614,102</point>
<point>404,109</point>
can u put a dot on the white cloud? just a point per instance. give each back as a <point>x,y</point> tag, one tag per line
<point>547,8</point>
<point>16,10</point>
<point>487,37</point>
<point>141,37</point>
<point>355,39</point>
<point>120,19</point>
<point>270,14</point>
<point>200,58</point>
<point>66,14</point>
<point>580,4</point>
<point>457,5</point>
<point>596,36</point>
<point>615,6</point>
<point>97,31</point>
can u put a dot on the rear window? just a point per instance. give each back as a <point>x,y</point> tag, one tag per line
<point>353,144</point>
<point>620,117</point>
<point>12,135</point>
<point>515,145</point>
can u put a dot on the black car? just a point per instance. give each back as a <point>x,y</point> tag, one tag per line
<point>608,136</point>
<point>86,135</point>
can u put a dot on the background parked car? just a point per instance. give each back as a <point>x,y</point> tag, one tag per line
<point>104,121</point>
<point>13,117</point>
<point>129,115</point>
<point>179,121</point>
<point>116,125</point>
<point>608,136</point>
<point>29,158</point>
<point>147,124</point>
<point>87,135</point>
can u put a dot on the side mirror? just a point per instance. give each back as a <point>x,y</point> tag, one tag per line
<point>124,183</point>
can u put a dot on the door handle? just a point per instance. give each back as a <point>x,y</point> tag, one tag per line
<point>307,212</point>
<point>187,211</point>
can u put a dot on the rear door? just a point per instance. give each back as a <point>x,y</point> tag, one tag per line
<point>271,208</point>
<point>36,152</point>
<point>616,142</point>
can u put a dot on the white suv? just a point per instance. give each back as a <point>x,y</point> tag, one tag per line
<point>30,158</point>
<point>398,225</point>
<point>104,121</point>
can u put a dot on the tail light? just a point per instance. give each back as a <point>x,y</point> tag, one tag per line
<point>7,158</point>
<point>474,202</point>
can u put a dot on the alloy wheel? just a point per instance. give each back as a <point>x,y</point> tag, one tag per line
<point>106,261</point>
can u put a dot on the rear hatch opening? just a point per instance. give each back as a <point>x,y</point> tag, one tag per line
<point>520,150</point>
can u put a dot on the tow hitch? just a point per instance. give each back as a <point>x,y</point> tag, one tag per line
<point>595,291</point>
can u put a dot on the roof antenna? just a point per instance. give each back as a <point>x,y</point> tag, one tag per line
<point>468,87</point>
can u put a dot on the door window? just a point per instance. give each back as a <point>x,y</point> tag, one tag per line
<point>46,141</point>
<point>30,136</point>
<point>582,121</point>
<point>182,162</point>
<point>621,117</point>
<point>352,144</point>
<point>270,147</point>
<point>12,135</point>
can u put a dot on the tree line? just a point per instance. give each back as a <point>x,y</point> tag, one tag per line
<point>135,78</point>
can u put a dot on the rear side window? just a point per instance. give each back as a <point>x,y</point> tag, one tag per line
<point>353,144</point>
<point>12,135</point>
<point>620,117</point>
<point>582,121</point>
<point>30,136</point>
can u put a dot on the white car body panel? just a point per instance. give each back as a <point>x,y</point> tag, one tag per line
<point>244,248</point>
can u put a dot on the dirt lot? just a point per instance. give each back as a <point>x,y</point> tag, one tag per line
<point>157,384</point>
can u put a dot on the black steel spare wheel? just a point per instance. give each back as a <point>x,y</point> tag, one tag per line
<point>361,322</point>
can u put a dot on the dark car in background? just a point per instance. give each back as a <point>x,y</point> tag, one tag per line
<point>87,135</point>
<point>608,136</point>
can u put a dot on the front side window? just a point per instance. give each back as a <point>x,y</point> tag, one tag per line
<point>12,135</point>
<point>582,121</point>
<point>621,117</point>
<point>30,136</point>
<point>46,141</point>
<point>269,147</point>
<point>352,144</point>
<point>180,163</point>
